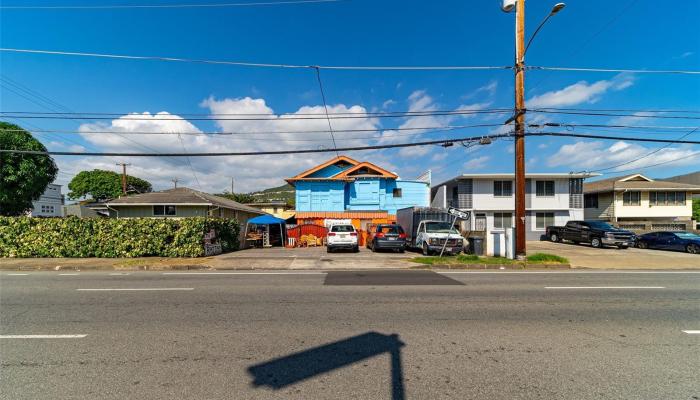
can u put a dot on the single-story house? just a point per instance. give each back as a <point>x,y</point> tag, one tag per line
<point>181,202</point>
<point>279,209</point>
<point>640,203</point>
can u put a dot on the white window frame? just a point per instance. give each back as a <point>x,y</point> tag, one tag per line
<point>501,217</point>
<point>544,215</point>
<point>544,189</point>
<point>165,207</point>
<point>502,188</point>
<point>630,203</point>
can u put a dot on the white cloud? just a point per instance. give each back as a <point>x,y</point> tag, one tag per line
<point>587,155</point>
<point>542,146</point>
<point>476,163</point>
<point>439,156</point>
<point>580,92</point>
<point>489,88</point>
<point>388,104</point>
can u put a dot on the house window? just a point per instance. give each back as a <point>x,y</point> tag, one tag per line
<point>164,210</point>
<point>47,209</point>
<point>590,200</point>
<point>544,188</point>
<point>396,192</point>
<point>502,220</point>
<point>667,198</point>
<point>631,198</point>
<point>543,220</point>
<point>503,188</point>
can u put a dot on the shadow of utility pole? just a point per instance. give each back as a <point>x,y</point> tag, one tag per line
<point>294,368</point>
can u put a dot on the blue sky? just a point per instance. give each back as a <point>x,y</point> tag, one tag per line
<point>641,34</point>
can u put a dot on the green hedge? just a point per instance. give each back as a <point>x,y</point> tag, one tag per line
<point>112,237</point>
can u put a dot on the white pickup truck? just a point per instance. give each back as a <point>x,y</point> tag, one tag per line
<point>428,228</point>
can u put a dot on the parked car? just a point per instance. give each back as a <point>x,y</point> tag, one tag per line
<point>342,237</point>
<point>680,241</point>
<point>386,236</point>
<point>427,229</point>
<point>597,233</point>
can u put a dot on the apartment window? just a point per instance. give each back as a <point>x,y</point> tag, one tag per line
<point>543,220</point>
<point>502,220</point>
<point>667,198</point>
<point>590,200</point>
<point>503,188</point>
<point>396,192</point>
<point>164,210</point>
<point>544,188</point>
<point>47,209</point>
<point>631,198</point>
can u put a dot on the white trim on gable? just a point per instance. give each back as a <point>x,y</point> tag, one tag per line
<point>635,178</point>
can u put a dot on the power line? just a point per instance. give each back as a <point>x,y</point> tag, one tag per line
<point>253,117</point>
<point>646,155</point>
<point>189,162</point>
<point>253,64</point>
<point>691,155</point>
<point>142,6</point>
<point>258,153</point>
<point>605,114</point>
<point>630,139</point>
<point>325,107</point>
<point>633,71</point>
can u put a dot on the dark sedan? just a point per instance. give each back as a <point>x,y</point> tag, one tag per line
<point>386,236</point>
<point>680,241</point>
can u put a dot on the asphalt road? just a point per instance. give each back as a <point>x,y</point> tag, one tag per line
<point>240,335</point>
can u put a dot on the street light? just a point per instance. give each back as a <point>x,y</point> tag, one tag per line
<point>519,117</point>
<point>557,7</point>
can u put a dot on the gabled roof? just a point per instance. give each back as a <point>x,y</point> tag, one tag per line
<point>181,196</point>
<point>635,182</point>
<point>319,167</point>
<point>381,171</point>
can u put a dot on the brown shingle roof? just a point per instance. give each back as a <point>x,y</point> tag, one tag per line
<point>182,195</point>
<point>606,185</point>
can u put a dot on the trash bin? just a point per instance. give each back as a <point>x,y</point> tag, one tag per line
<point>476,246</point>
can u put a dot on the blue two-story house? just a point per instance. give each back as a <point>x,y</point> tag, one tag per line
<point>343,188</point>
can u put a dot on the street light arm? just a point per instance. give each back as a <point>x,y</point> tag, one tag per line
<point>544,21</point>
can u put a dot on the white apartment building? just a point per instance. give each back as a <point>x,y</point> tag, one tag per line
<point>550,199</point>
<point>50,204</point>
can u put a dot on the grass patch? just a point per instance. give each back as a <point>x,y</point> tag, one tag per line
<point>544,258</point>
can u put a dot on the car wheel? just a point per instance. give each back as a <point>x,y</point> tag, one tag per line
<point>554,237</point>
<point>356,249</point>
<point>329,250</point>
<point>693,249</point>
<point>576,242</point>
<point>642,245</point>
<point>374,247</point>
<point>425,249</point>
<point>402,251</point>
<point>622,247</point>
<point>596,242</point>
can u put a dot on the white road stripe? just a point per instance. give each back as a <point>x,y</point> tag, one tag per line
<point>119,273</point>
<point>68,274</point>
<point>605,287</point>
<point>42,336</point>
<point>17,274</point>
<point>692,332</point>
<point>129,289</point>
<point>567,272</point>
<point>244,273</point>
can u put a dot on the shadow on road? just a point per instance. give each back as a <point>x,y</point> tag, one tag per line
<point>284,371</point>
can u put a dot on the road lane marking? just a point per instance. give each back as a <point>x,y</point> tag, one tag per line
<point>130,289</point>
<point>119,273</point>
<point>68,274</point>
<point>244,273</point>
<point>692,332</point>
<point>42,336</point>
<point>605,287</point>
<point>17,274</point>
<point>568,272</point>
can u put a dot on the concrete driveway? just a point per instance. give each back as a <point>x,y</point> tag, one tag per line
<point>584,256</point>
<point>311,258</point>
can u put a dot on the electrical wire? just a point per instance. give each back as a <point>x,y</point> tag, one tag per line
<point>630,139</point>
<point>325,107</point>
<point>633,71</point>
<point>142,6</point>
<point>604,114</point>
<point>254,64</point>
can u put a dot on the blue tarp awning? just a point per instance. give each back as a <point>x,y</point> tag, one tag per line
<point>266,220</point>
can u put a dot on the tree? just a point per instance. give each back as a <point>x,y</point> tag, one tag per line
<point>102,185</point>
<point>23,177</point>
<point>238,197</point>
<point>696,209</point>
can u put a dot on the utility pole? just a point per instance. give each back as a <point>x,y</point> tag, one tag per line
<point>123,165</point>
<point>520,129</point>
<point>231,185</point>
<point>174,181</point>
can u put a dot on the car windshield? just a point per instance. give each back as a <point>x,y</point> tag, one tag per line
<point>599,225</point>
<point>342,228</point>
<point>687,235</point>
<point>439,227</point>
